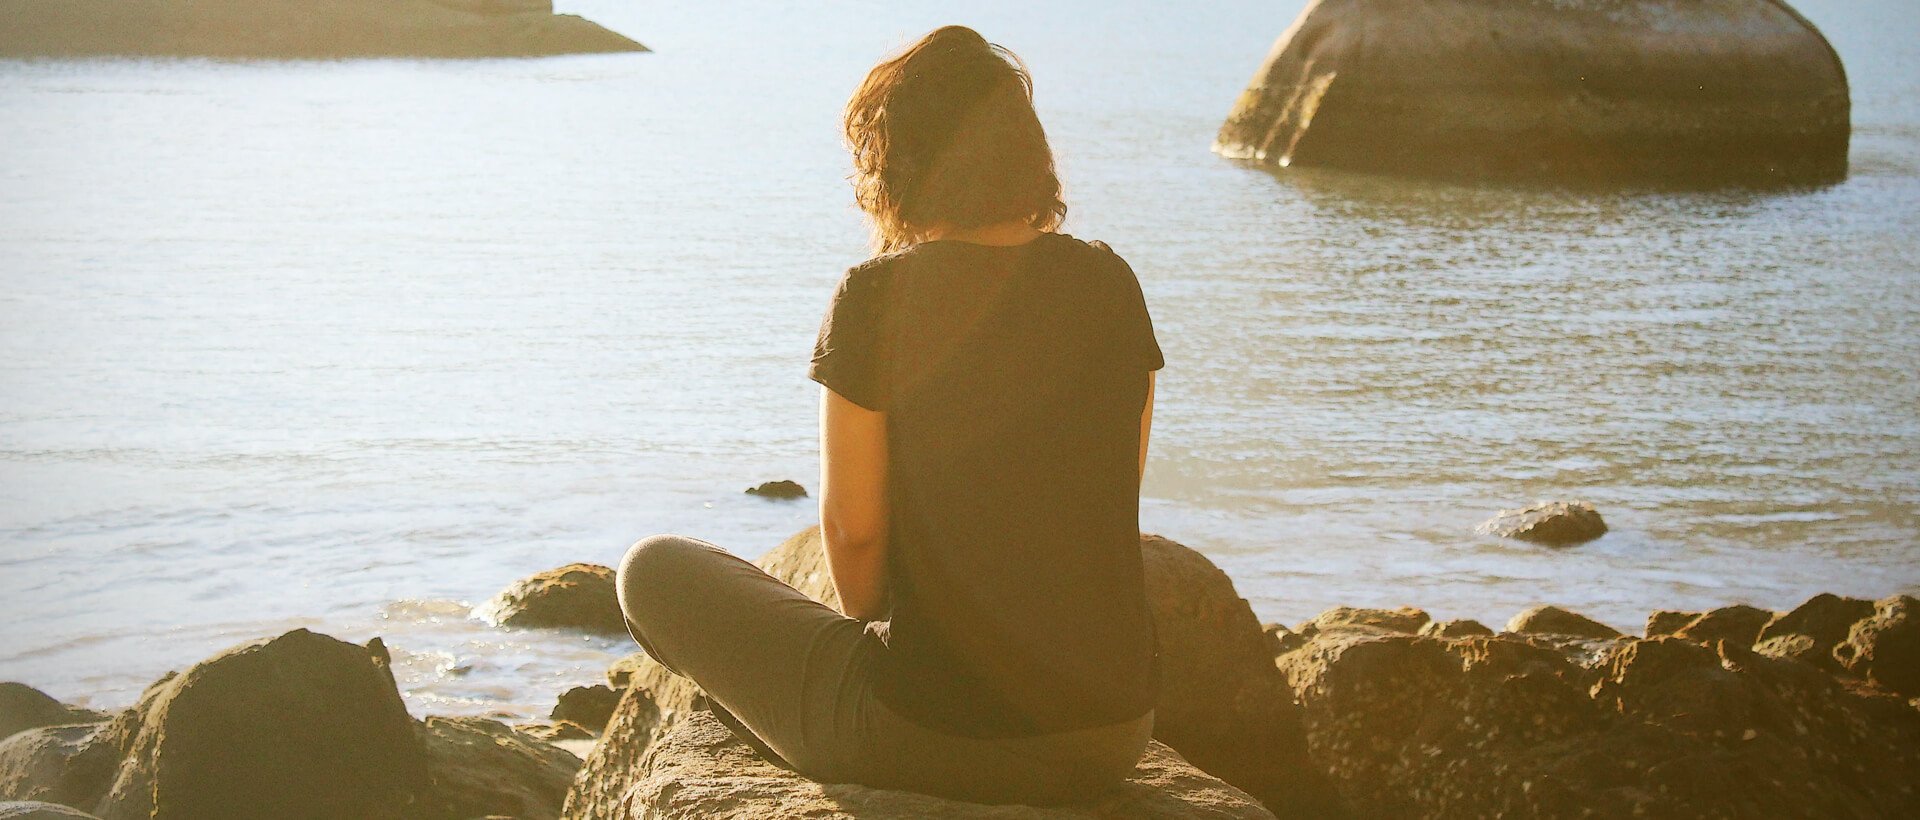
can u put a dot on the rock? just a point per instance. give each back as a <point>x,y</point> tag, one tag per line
<point>23,707</point>
<point>277,29</point>
<point>1405,620</point>
<point>1455,629</point>
<point>1670,91</point>
<point>483,767</point>
<point>34,810</point>
<point>1825,620</point>
<point>700,770</point>
<point>778,489</point>
<point>1483,727</point>
<point>1223,705</point>
<point>1552,620</point>
<point>1740,624</point>
<point>1668,621</point>
<point>1280,639</point>
<point>576,596</point>
<point>302,725</point>
<point>1885,648</point>
<point>1555,523</point>
<point>588,706</point>
<point>1795,647</point>
<point>71,764</point>
<point>557,731</point>
<point>652,701</point>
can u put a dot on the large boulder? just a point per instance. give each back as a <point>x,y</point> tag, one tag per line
<point>70,764</point>
<point>576,596</point>
<point>701,771</point>
<point>23,707</point>
<point>1823,621</point>
<point>301,725</point>
<point>1554,523</point>
<point>1506,726</point>
<point>484,768</point>
<point>1678,91</point>
<point>1885,648</point>
<point>298,29</point>
<point>1222,703</point>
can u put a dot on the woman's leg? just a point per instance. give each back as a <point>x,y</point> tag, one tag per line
<point>788,667</point>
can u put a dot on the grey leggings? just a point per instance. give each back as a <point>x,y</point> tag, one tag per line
<point>800,676</point>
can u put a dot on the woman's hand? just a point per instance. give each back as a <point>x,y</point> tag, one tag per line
<point>853,503</point>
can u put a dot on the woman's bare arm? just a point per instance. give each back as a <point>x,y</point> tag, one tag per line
<point>853,503</point>
<point>1146,425</point>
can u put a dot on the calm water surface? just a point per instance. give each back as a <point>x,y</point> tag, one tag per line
<point>350,345</point>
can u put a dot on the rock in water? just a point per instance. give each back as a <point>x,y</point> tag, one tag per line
<point>1406,620</point>
<point>700,771</point>
<point>1223,705</point>
<point>1670,91</point>
<point>485,768</point>
<point>1885,648</point>
<point>576,596</point>
<point>1552,620</point>
<point>778,489</point>
<point>283,29</point>
<point>1555,523</point>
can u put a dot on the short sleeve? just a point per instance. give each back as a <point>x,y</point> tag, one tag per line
<point>849,355</point>
<point>1134,340</point>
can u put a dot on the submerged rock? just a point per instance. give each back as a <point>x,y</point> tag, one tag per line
<point>700,771</point>
<point>1552,620</point>
<point>1671,91</point>
<point>1554,523</point>
<point>276,29</point>
<point>576,596</point>
<point>1885,648</point>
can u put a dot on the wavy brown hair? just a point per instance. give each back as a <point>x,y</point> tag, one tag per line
<point>944,135</point>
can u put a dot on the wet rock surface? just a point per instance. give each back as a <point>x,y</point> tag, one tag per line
<point>281,29</point>
<point>781,489</point>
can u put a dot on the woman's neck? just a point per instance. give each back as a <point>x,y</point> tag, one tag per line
<point>1011,232</point>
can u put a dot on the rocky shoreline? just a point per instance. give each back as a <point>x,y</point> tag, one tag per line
<point>1736,712</point>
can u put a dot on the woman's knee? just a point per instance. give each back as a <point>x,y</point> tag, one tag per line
<point>654,569</point>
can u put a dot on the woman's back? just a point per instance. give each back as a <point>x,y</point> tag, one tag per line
<point>1013,380</point>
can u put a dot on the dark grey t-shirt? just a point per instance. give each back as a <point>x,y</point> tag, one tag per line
<point>1013,379</point>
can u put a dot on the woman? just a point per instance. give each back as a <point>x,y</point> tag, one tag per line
<point>987,393</point>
